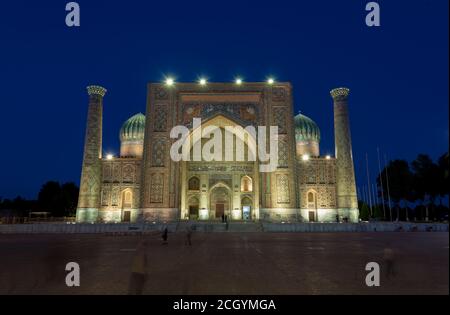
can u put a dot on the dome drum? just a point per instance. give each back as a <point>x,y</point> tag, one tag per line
<point>132,136</point>
<point>307,136</point>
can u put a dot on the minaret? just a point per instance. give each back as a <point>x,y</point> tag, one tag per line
<point>91,173</point>
<point>347,201</point>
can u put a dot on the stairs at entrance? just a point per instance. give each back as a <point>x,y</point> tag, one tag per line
<point>213,226</point>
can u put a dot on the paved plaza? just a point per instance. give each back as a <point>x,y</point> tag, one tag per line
<point>227,263</point>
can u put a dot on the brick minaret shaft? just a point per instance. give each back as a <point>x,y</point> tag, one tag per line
<point>347,202</point>
<point>91,173</point>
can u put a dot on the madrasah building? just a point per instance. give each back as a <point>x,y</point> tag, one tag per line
<point>144,182</point>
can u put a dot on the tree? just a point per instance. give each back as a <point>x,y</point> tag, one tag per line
<point>444,169</point>
<point>378,212</point>
<point>400,182</point>
<point>18,207</point>
<point>364,213</point>
<point>69,192</point>
<point>426,183</point>
<point>59,200</point>
<point>49,198</point>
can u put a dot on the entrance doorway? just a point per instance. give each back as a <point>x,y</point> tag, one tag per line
<point>220,201</point>
<point>127,204</point>
<point>193,212</point>
<point>246,212</point>
<point>126,216</point>
<point>193,208</point>
<point>220,210</point>
<point>312,205</point>
<point>246,203</point>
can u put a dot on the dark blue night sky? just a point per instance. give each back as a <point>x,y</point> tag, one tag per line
<point>398,73</point>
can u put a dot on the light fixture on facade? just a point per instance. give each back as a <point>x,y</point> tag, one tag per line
<point>238,81</point>
<point>328,157</point>
<point>270,80</point>
<point>202,81</point>
<point>109,157</point>
<point>170,81</point>
<point>305,157</point>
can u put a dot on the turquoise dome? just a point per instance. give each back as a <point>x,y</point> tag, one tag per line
<point>133,129</point>
<point>306,129</point>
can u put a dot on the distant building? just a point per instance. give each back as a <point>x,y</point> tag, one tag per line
<point>144,182</point>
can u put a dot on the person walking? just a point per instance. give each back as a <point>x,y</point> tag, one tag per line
<point>138,276</point>
<point>389,262</point>
<point>165,236</point>
<point>188,236</point>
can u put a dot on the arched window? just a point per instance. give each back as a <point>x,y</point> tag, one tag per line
<point>246,184</point>
<point>310,197</point>
<point>194,183</point>
<point>127,200</point>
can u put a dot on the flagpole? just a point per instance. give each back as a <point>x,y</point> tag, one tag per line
<point>387,184</point>
<point>381,183</point>
<point>368,185</point>
<point>359,194</point>
<point>366,200</point>
<point>375,198</point>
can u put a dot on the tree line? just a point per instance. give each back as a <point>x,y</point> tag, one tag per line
<point>60,200</point>
<point>416,190</point>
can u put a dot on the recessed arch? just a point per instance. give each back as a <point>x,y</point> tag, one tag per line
<point>194,183</point>
<point>220,199</point>
<point>127,198</point>
<point>193,206</point>
<point>246,184</point>
<point>311,204</point>
<point>127,204</point>
<point>220,121</point>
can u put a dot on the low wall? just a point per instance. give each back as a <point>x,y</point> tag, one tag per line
<point>127,228</point>
<point>69,228</point>
<point>355,227</point>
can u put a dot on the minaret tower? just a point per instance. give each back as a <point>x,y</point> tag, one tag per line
<point>91,173</point>
<point>347,201</point>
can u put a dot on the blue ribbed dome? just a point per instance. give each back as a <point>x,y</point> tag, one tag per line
<point>306,129</point>
<point>133,129</point>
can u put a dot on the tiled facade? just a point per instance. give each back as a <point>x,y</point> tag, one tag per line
<point>147,184</point>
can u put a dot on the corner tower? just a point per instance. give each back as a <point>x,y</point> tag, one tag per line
<point>91,173</point>
<point>347,202</point>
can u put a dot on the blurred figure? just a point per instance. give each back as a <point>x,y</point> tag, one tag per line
<point>389,262</point>
<point>188,236</point>
<point>54,262</point>
<point>139,270</point>
<point>165,236</point>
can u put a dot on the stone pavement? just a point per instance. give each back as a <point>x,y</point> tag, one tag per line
<point>227,263</point>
